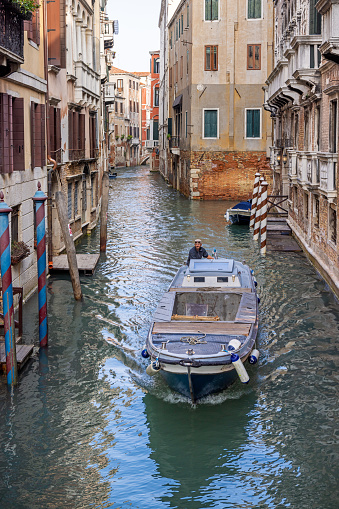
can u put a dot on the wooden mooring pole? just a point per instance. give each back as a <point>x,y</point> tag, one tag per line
<point>69,244</point>
<point>256,229</point>
<point>7,293</point>
<point>104,210</point>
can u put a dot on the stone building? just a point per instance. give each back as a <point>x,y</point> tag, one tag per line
<point>302,95</point>
<point>215,133</point>
<point>23,163</point>
<point>153,138</point>
<point>126,117</point>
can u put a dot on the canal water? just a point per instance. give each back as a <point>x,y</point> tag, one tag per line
<point>87,428</point>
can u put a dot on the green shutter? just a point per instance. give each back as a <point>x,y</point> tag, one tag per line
<point>249,123</point>
<point>210,124</point>
<point>254,9</point>
<point>155,130</point>
<point>208,10</point>
<point>169,126</point>
<point>256,123</point>
<point>215,9</point>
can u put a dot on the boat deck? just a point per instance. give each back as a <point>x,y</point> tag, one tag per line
<point>86,263</point>
<point>218,328</point>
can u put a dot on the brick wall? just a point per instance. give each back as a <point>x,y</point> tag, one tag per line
<point>220,175</point>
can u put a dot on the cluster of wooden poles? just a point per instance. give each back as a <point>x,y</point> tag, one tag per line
<point>258,220</point>
<point>6,270</point>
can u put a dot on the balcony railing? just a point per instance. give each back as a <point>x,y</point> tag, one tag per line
<point>109,93</point>
<point>151,143</point>
<point>11,32</point>
<point>94,153</point>
<point>174,142</point>
<point>76,154</point>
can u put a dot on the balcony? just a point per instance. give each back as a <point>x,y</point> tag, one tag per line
<point>328,175</point>
<point>11,38</point>
<point>151,144</point>
<point>109,93</point>
<point>87,86</point>
<point>174,145</point>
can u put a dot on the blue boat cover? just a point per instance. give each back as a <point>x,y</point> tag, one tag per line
<point>243,205</point>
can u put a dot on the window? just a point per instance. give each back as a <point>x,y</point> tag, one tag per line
<point>211,58</point>
<point>186,121</point>
<point>176,31</point>
<point>155,130</point>
<point>93,143</point>
<point>211,10</point>
<point>12,155</point>
<point>15,223</point>
<point>156,66</point>
<point>181,67</point>
<point>316,211</point>
<point>130,83</point>
<point>38,135</point>
<point>182,23</point>
<point>133,85</point>
<point>171,40</point>
<point>121,108</point>
<point>254,56</point>
<point>254,9</point>
<point>170,77</point>
<point>332,223</point>
<point>333,126</point>
<point>116,107</point>
<point>315,19</point>
<point>120,84</point>
<point>211,123</point>
<point>76,183</point>
<point>188,16</point>
<point>187,60</point>
<point>176,72</point>
<point>69,201</point>
<point>55,133</point>
<point>33,27</point>
<point>253,123</point>
<point>76,135</point>
<point>156,96</point>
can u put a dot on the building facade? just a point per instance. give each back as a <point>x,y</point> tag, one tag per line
<point>23,163</point>
<point>215,134</point>
<point>302,95</point>
<point>126,117</point>
<point>153,138</point>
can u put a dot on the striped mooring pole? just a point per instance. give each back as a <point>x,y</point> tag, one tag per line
<point>7,293</point>
<point>257,219</point>
<point>263,222</point>
<point>39,201</point>
<point>254,199</point>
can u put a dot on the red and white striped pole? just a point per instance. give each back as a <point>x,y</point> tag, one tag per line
<point>263,223</point>
<point>256,229</point>
<point>254,199</point>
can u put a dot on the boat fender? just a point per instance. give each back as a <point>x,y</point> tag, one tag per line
<point>240,368</point>
<point>258,300</point>
<point>227,216</point>
<point>255,283</point>
<point>145,353</point>
<point>153,368</point>
<point>253,358</point>
<point>234,345</point>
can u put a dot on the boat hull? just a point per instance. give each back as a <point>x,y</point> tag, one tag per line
<point>202,385</point>
<point>239,218</point>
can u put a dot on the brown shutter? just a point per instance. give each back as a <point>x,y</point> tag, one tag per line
<point>76,134</point>
<point>10,133</point>
<point>51,121</point>
<point>18,135</point>
<point>5,138</point>
<point>82,134</point>
<point>33,158</point>
<point>37,26</point>
<point>54,39</point>
<point>58,134</point>
<point>37,135</point>
<point>42,120</point>
<point>70,135</point>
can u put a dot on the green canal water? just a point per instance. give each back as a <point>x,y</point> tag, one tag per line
<point>87,428</point>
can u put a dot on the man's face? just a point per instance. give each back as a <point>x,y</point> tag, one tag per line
<point>197,245</point>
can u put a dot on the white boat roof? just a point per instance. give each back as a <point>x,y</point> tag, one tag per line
<point>204,266</point>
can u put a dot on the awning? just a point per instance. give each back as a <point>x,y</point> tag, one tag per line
<point>177,101</point>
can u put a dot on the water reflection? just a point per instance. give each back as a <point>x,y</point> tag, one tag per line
<point>87,428</point>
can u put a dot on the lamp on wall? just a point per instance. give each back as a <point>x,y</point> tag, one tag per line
<point>278,158</point>
<point>284,158</point>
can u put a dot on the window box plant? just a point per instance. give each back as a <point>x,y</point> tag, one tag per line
<point>19,251</point>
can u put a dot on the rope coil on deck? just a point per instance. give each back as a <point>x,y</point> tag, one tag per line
<point>192,340</point>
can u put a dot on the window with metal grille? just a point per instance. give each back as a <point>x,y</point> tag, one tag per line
<point>156,96</point>
<point>211,58</point>
<point>15,223</point>
<point>76,198</point>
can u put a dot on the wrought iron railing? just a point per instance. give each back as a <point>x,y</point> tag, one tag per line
<point>274,205</point>
<point>174,142</point>
<point>11,28</point>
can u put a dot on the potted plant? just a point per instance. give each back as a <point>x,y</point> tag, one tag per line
<point>122,136</point>
<point>169,136</point>
<point>129,137</point>
<point>25,7</point>
<point>19,251</point>
<point>117,137</point>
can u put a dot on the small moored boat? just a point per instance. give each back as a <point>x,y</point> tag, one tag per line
<point>240,213</point>
<point>205,327</point>
<point>112,175</point>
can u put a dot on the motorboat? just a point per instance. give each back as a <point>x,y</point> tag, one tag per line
<point>240,213</point>
<point>112,175</point>
<point>205,328</point>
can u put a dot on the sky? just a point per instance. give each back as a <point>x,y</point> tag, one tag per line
<point>138,32</point>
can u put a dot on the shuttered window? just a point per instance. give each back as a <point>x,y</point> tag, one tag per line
<point>253,123</point>
<point>93,136</point>
<point>76,135</point>
<point>254,9</point>
<point>12,155</point>
<point>69,201</point>
<point>55,133</point>
<point>253,56</point>
<point>210,123</point>
<point>211,10</point>
<point>33,27</point>
<point>38,148</point>
<point>56,33</point>
<point>156,96</point>
<point>76,184</point>
<point>155,130</point>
